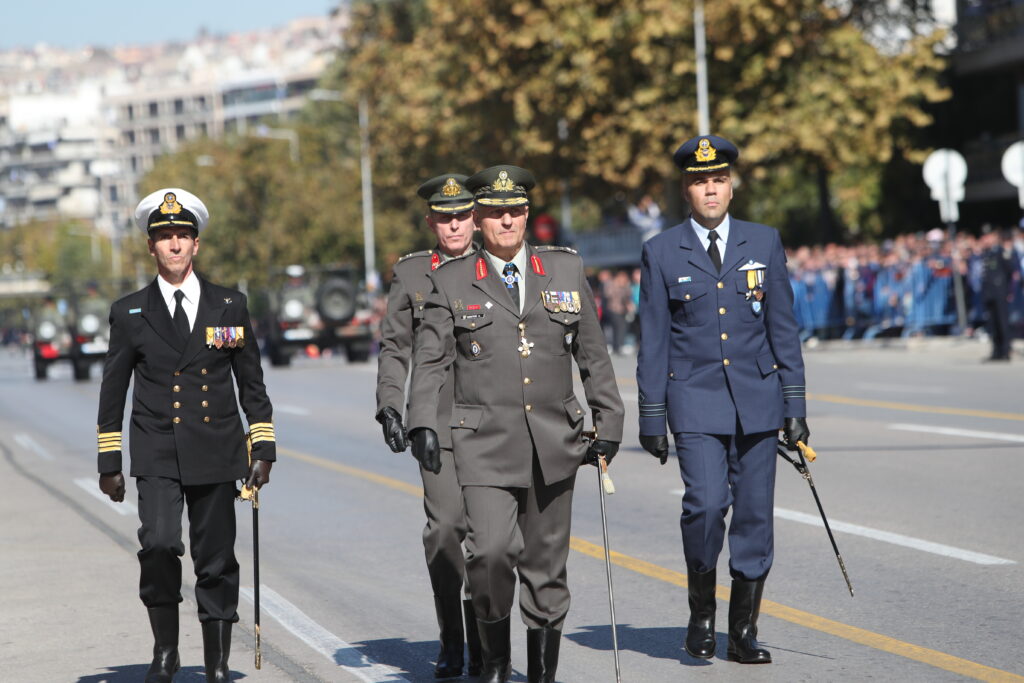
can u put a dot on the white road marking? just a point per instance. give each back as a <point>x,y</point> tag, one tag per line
<point>30,444</point>
<point>896,539</point>
<point>92,488</point>
<point>290,410</point>
<point>320,639</point>
<point>966,433</point>
<point>885,536</point>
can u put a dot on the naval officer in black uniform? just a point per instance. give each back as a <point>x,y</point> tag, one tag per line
<point>182,339</point>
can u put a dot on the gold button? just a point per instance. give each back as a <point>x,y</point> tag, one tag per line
<point>721,311</point>
<point>774,366</point>
<point>671,375</point>
<point>529,407</point>
<point>724,336</point>
<point>527,380</point>
<point>462,422</point>
<point>725,361</point>
<point>472,324</point>
<point>177,420</point>
<point>177,404</point>
<point>177,372</point>
<point>566,320</point>
<point>206,419</point>
<point>176,388</point>
<point>687,297</point>
<point>203,371</point>
<point>206,404</point>
<point>206,388</point>
<point>720,285</point>
<point>525,354</point>
<point>579,412</point>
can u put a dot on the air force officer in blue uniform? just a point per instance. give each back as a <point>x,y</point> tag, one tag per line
<point>720,359</point>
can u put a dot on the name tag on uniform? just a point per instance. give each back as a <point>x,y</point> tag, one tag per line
<point>231,337</point>
<point>134,310</point>
<point>685,278</point>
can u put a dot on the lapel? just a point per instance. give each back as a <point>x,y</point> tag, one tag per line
<point>208,315</point>
<point>159,318</point>
<point>734,252</point>
<point>535,284</point>
<point>492,286</point>
<point>698,256</point>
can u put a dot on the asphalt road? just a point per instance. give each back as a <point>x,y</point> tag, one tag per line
<point>921,458</point>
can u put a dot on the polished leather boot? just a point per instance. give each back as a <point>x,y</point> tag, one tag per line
<point>744,607</point>
<point>496,650</point>
<point>449,619</point>
<point>216,649</point>
<point>166,662</point>
<point>700,633</point>
<point>475,663</point>
<point>542,654</point>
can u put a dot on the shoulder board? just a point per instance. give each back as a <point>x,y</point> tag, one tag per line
<point>426,252</point>
<point>550,248</point>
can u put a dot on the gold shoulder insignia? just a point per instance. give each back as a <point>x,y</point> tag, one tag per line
<point>455,259</point>
<point>550,247</point>
<point>425,252</point>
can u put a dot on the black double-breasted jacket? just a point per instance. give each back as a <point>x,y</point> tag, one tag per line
<point>185,423</point>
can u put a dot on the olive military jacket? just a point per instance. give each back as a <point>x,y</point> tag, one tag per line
<point>513,372</point>
<point>410,287</point>
<point>184,422</point>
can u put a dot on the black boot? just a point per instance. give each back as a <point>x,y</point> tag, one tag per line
<point>449,619</point>
<point>700,633</point>
<point>166,662</point>
<point>542,654</point>
<point>744,607</point>
<point>216,649</point>
<point>496,649</point>
<point>472,640</point>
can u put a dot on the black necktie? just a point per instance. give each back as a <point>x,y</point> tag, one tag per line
<point>716,257</point>
<point>180,319</point>
<point>510,276</point>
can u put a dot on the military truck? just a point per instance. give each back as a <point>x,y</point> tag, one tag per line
<point>78,332</point>
<point>322,308</point>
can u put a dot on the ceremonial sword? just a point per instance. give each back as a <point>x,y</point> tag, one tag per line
<point>253,494</point>
<point>805,472</point>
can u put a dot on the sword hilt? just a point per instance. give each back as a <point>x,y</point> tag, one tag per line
<point>807,451</point>
<point>606,479</point>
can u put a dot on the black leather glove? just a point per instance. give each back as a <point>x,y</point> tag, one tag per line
<point>795,429</point>
<point>113,485</point>
<point>394,431</point>
<point>656,446</point>
<point>599,447</point>
<point>259,474</point>
<point>426,449</point>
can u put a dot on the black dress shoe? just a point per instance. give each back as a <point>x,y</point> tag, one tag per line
<point>166,662</point>
<point>700,632</point>
<point>744,606</point>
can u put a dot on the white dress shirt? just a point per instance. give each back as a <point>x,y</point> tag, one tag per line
<point>520,261</point>
<point>723,235</point>
<point>191,301</point>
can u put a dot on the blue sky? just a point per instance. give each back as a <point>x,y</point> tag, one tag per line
<point>78,23</point>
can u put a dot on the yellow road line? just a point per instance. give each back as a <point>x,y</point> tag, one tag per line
<point>894,405</point>
<point>871,639</point>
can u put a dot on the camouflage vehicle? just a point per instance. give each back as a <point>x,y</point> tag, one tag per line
<point>323,307</point>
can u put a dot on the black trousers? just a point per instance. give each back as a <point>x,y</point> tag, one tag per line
<point>211,518</point>
<point>999,326</point>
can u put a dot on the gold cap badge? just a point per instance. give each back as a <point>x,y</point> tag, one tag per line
<point>451,188</point>
<point>503,183</point>
<point>705,152</point>
<point>170,204</point>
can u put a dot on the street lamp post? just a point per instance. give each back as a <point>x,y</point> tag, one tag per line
<point>700,46</point>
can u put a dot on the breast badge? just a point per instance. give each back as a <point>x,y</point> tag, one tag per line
<point>564,302</point>
<point>755,283</point>
<point>231,337</point>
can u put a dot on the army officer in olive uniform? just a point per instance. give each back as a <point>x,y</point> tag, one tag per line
<point>450,218</point>
<point>509,321</point>
<point>182,339</point>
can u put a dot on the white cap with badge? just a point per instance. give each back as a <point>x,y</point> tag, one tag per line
<point>169,207</point>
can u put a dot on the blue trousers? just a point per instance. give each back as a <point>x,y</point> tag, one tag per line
<point>719,471</point>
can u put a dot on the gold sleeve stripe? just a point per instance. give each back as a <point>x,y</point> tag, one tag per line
<point>260,438</point>
<point>262,432</point>
<point>108,442</point>
<point>257,425</point>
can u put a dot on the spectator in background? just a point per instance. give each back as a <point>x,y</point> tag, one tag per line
<point>646,217</point>
<point>545,231</point>
<point>618,305</point>
<point>997,276</point>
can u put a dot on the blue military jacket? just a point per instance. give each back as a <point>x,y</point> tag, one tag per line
<point>712,357</point>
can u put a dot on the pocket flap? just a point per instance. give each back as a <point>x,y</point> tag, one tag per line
<point>466,417</point>
<point>766,364</point>
<point>564,317</point>
<point>679,368</point>
<point>573,409</point>
<point>472,321</point>
<point>688,291</point>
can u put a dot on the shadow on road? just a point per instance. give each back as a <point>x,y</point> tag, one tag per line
<point>415,660</point>
<point>663,642</point>
<point>133,673</point>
